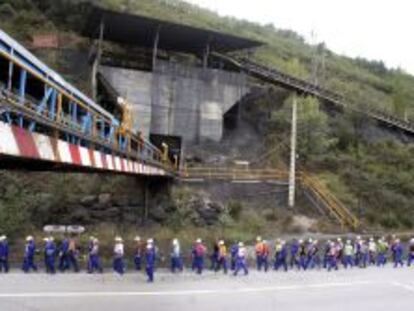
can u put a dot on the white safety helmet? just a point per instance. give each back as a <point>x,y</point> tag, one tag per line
<point>221,242</point>
<point>315,242</point>
<point>3,237</point>
<point>259,239</point>
<point>310,240</point>
<point>412,241</point>
<point>339,239</point>
<point>241,244</point>
<point>29,238</point>
<point>198,240</point>
<point>46,239</point>
<point>371,239</point>
<point>51,239</point>
<point>348,241</point>
<point>358,237</point>
<point>283,242</point>
<point>118,239</point>
<point>95,241</point>
<point>300,241</point>
<point>175,241</point>
<point>137,239</point>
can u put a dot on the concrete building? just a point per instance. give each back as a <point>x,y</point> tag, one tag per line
<point>177,91</point>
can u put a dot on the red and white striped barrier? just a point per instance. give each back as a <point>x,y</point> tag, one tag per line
<point>15,141</point>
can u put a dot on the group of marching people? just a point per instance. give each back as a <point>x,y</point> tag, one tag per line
<point>299,254</point>
<point>311,254</point>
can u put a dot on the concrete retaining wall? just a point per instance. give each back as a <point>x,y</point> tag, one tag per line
<point>180,100</point>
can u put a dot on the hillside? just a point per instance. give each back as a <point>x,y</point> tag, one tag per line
<point>370,170</point>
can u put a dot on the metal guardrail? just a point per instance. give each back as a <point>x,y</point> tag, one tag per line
<point>233,174</point>
<point>11,104</point>
<point>336,208</point>
<point>320,192</point>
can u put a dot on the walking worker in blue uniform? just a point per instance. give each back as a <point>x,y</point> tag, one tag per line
<point>94,260</point>
<point>63,255</point>
<point>150,256</point>
<point>29,254</point>
<point>50,255</point>
<point>4,254</point>
<point>280,255</point>
<point>410,252</point>
<point>233,255</point>
<point>398,253</point>
<point>176,261</point>
<point>118,262</point>
<point>138,253</point>
<point>90,246</point>
<point>241,260</point>
<point>294,254</point>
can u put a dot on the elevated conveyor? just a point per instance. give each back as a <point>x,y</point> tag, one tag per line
<point>45,122</point>
<point>276,77</point>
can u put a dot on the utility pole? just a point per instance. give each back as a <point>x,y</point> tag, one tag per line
<point>292,171</point>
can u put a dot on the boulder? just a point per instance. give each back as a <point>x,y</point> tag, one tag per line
<point>120,200</point>
<point>158,213</point>
<point>88,200</point>
<point>104,199</point>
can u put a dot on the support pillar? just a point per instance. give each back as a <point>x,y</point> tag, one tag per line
<point>206,55</point>
<point>155,48</point>
<point>96,63</point>
<point>146,198</point>
<point>292,171</point>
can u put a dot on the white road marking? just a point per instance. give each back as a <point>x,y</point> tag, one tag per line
<point>405,286</point>
<point>180,292</point>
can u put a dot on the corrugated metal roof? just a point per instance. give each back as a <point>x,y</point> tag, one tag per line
<point>139,30</point>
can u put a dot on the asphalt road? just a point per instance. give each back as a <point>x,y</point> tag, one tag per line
<point>357,289</point>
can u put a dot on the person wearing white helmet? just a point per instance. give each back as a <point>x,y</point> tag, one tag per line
<point>241,260</point>
<point>118,261</point>
<point>139,250</point>
<point>94,260</point>
<point>312,253</point>
<point>50,255</point>
<point>4,254</point>
<point>280,255</point>
<point>382,248</point>
<point>294,254</point>
<point>199,253</point>
<point>398,254</point>
<point>357,251</point>
<point>348,254</point>
<point>150,257</point>
<point>29,254</point>
<point>372,251</point>
<point>333,257</point>
<point>326,250</point>
<point>176,261</point>
<point>259,253</point>
<point>222,257</point>
<point>410,252</point>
